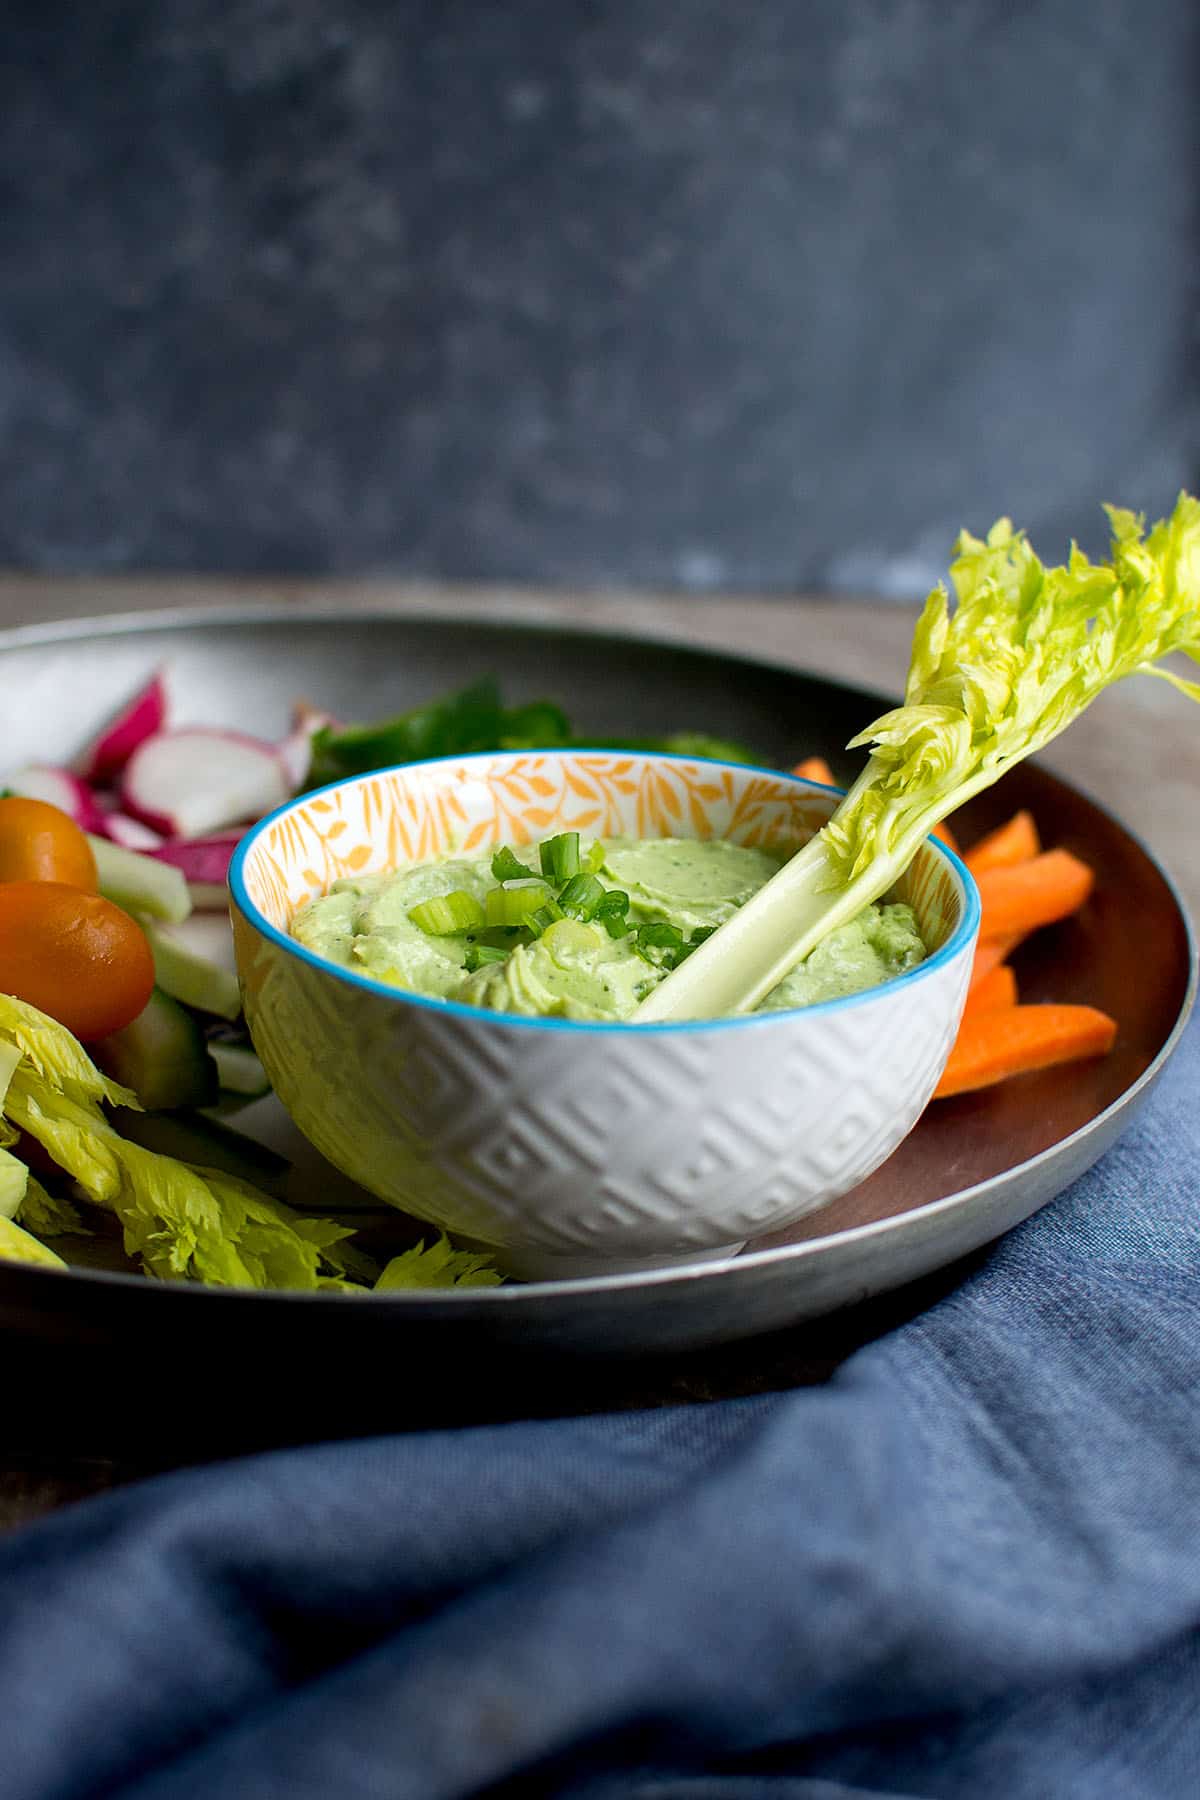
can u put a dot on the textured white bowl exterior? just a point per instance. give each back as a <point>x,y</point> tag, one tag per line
<point>574,1146</point>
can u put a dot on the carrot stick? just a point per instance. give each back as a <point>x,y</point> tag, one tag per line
<point>989,954</point>
<point>997,989</point>
<point>815,768</point>
<point>994,1045</point>
<point>1047,887</point>
<point>1016,841</point>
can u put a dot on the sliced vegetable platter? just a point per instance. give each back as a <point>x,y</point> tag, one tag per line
<point>976,1165</point>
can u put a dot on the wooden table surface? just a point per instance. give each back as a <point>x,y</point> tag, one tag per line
<point>1137,751</point>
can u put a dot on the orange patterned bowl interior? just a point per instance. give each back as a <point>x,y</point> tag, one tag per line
<point>373,823</point>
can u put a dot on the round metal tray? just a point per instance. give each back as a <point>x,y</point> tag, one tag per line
<point>971,1169</point>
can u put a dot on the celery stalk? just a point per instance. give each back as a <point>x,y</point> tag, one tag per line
<point>1026,649</point>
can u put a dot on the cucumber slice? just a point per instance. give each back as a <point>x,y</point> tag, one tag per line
<point>162,1056</point>
<point>193,962</point>
<point>238,1069</point>
<point>140,884</point>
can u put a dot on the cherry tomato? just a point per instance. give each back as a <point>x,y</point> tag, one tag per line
<point>40,842</point>
<point>75,955</point>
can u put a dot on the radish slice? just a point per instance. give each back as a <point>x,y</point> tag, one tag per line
<point>138,719</point>
<point>62,788</point>
<point>304,713</point>
<point>189,782</point>
<point>131,834</point>
<point>295,750</point>
<point>204,861</point>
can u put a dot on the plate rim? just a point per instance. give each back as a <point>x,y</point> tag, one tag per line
<point>134,623</point>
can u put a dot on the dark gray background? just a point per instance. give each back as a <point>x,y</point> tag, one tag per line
<point>749,294</point>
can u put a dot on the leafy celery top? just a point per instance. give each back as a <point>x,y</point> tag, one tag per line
<point>1022,653</point>
<point>178,1220</point>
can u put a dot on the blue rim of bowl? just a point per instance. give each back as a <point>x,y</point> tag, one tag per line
<point>963,933</point>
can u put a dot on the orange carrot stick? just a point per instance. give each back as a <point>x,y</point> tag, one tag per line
<point>815,768</point>
<point>1016,841</point>
<point>997,989</point>
<point>992,1046</point>
<point>1029,894</point>
<point>989,954</point>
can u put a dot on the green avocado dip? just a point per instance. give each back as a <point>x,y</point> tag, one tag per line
<point>490,930</point>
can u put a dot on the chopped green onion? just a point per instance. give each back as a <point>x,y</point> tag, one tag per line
<point>581,896</point>
<point>507,867</point>
<point>656,934</point>
<point>479,955</point>
<point>697,938</point>
<point>445,915</point>
<point>544,917</point>
<point>614,903</point>
<point>560,857</point>
<point>593,862</point>
<point>610,912</point>
<point>513,905</point>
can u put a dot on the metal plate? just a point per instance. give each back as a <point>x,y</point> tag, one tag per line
<point>973,1167</point>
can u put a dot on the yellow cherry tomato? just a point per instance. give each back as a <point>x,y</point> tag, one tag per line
<point>40,842</point>
<point>73,954</point>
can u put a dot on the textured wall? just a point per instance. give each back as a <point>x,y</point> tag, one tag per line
<point>692,293</point>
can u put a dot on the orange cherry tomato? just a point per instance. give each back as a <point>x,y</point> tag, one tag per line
<point>75,955</point>
<point>40,842</point>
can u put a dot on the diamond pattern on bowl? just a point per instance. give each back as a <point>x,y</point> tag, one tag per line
<point>596,1142</point>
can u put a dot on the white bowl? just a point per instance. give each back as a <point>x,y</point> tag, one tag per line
<point>580,1148</point>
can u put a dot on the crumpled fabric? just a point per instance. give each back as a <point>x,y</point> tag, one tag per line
<point>967,1565</point>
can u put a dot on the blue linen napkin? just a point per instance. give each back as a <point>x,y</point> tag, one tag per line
<point>968,1565</point>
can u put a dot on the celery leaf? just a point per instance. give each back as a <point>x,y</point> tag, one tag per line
<point>437,1265</point>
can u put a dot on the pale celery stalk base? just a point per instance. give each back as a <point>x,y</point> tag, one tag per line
<point>752,952</point>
